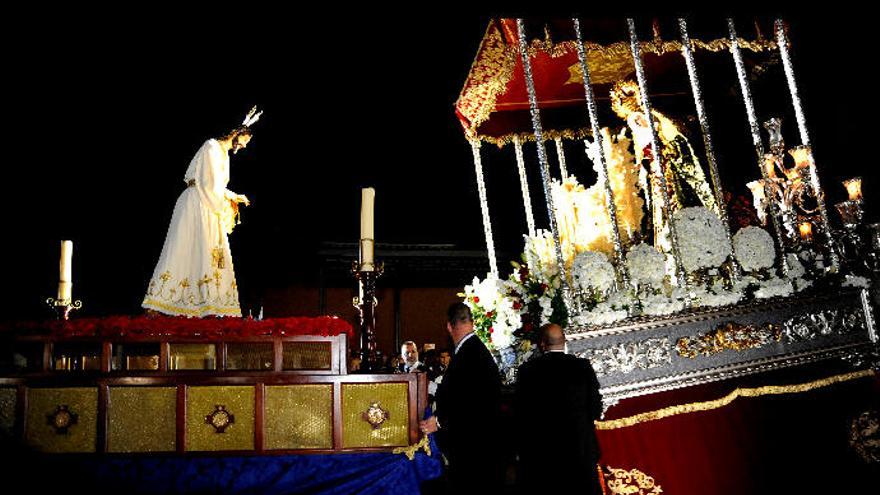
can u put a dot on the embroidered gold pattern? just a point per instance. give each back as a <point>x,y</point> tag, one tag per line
<point>490,72</point>
<point>217,257</point>
<point>494,64</point>
<point>632,482</point>
<point>727,399</point>
<point>212,294</point>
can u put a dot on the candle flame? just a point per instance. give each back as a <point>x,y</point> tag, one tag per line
<point>854,188</point>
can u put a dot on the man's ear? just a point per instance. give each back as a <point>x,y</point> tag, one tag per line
<point>449,327</point>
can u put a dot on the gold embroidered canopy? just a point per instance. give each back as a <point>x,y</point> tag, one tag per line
<point>493,105</point>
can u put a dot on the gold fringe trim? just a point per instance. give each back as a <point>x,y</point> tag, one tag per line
<point>655,47</point>
<point>410,452</point>
<point>727,399</point>
<point>201,311</point>
<point>549,135</point>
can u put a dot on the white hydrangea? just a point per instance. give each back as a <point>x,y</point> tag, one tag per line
<point>591,271</point>
<point>754,248</point>
<point>702,240</point>
<point>646,266</point>
<point>774,287</point>
<point>715,299</point>
<point>795,267</point>
<point>856,281</point>
<point>661,304</point>
<point>602,314</point>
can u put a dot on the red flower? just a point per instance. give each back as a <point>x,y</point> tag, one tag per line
<point>476,300</point>
<point>490,314</point>
<point>491,329</point>
<point>544,287</point>
<point>169,326</point>
<point>517,305</point>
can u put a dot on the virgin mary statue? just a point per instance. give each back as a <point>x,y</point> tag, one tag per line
<point>194,276</point>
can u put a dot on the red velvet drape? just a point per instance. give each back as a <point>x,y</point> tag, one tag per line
<point>779,444</point>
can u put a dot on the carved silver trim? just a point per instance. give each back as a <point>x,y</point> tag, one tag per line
<point>810,326</point>
<point>625,357</point>
<point>699,377</point>
<point>705,314</point>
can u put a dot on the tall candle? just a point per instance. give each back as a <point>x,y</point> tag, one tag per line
<point>65,269</point>
<point>368,196</point>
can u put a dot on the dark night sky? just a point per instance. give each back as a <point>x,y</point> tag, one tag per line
<point>106,113</point>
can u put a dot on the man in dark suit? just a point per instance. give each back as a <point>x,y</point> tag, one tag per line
<point>409,359</point>
<point>469,411</point>
<point>557,399</point>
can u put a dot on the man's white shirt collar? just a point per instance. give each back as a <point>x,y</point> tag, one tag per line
<point>462,341</point>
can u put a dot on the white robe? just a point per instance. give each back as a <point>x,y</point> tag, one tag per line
<point>194,276</point>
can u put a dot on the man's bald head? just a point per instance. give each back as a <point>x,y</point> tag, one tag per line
<point>551,338</point>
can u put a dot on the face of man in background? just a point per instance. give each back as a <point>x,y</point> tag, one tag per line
<point>410,353</point>
<point>445,358</point>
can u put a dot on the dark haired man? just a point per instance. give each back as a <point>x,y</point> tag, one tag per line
<point>468,410</point>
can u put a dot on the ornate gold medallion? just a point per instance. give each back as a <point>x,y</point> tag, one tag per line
<point>220,419</point>
<point>62,419</point>
<point>375,415</point>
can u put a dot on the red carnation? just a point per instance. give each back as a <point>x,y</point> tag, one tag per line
<point>476,299</point>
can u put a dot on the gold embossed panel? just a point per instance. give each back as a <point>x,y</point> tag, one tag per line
<point>366,404</point>
<point>238,431</point>
<point>142,419</point>
<point>193,357</point>
<point>299,417</point>
<point>62,419</point>
<point>307,356</point>
<point>8,400</point>
<point>250,356</point>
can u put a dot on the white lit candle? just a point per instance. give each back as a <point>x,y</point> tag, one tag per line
<point>368,195</point>
<point>65,271</point>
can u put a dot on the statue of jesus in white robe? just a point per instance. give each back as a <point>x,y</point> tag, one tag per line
<point>194,276</point>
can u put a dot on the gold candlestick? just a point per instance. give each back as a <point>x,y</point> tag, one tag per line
<point>366,303</point>
<point>63,307</point>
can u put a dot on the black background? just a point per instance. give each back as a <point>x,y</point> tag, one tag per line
<point>105,108</point>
